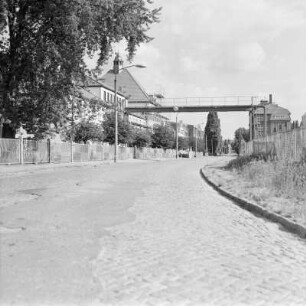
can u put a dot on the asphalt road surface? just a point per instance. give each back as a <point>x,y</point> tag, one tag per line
<point>139,233</point>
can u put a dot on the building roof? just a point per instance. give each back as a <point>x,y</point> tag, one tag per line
<point>127,84</point>
<point>274,110</point>
<point>91,82</point>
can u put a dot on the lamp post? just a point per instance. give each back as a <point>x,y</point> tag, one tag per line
<point>175,108</point>
<point>116,69</point>
<point>196,142</point>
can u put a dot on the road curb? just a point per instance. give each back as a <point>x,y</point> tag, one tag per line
<point>289,225</point>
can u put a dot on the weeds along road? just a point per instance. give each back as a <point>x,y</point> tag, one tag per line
<point>140,233</point>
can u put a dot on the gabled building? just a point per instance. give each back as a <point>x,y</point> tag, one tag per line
<point>275,118</point>
<point>105,94</point>
<point>136,97</point>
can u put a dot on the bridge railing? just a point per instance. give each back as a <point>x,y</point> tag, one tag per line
<point>209,101</point>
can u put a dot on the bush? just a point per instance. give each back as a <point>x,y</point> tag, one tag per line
<point>242,161</point>
<point>283,178</point>
<point>290,178</point>
<point>141,138</point>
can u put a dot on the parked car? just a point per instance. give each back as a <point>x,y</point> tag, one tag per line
<point>184,154</point>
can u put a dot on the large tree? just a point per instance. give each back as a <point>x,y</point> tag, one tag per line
<point>213,133</point>
<point>42,49</point>
<point>163,137</point>
<point>240,134</point>
<point>125,131</point>
<point>141,138</point>
<point>183,143</point>
<point>86,130</point>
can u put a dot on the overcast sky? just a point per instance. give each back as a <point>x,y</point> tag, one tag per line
<point>227,47</point>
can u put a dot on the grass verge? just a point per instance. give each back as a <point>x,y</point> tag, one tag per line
<point>278,185</point>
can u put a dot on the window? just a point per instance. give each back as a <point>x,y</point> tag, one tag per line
<point>259,128</point>
<point>104,95</point>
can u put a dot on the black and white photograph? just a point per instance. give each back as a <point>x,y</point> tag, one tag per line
<point>152,152</point>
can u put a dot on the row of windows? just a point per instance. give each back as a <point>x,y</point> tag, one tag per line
<point>108,97</point>
<point>279,117</point>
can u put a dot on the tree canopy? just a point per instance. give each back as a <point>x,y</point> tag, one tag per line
<point>86,130</point>
<point>125,131</point>
<point>213,132</point>
<point>163,137</point>
<point>141,138</point>
<point>42,49</point>
<point>241,133</point>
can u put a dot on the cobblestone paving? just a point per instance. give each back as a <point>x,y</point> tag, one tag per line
<point>190,246</point>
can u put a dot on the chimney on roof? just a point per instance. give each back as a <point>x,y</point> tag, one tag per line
<point>270,98</point>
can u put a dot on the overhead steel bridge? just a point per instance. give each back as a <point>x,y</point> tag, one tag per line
<point>201,104</point>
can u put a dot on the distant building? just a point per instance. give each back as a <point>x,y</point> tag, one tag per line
<point>277,119</point>
<point>182,128</point>
<point>303,123</point>
<point>196,135</point>
<point>105,94</point>
<point>136,97</point>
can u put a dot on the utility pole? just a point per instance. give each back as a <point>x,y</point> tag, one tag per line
<point>175,108</point>
<point>196,142</point>
<point>116,69</point>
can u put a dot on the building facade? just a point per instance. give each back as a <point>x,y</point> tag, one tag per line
<point>105,94</point>
<point>303,123</point>
<point>269,119</point>
<point>136,97</point>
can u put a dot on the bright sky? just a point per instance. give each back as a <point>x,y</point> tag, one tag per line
<point>227,47</point>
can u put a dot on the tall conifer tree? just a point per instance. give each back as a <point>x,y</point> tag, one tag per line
<point>213,133</point>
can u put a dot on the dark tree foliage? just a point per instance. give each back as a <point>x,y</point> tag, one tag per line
<point>183,143</point>
<point>42,48</point>
<point>86,130</point>
<point>197,143</point>
<point>163,137</point>
<point>213,133</point>
<point>225,146</point>
<point>241,133</point>
<point>125,132</point>
<point>141,138</point>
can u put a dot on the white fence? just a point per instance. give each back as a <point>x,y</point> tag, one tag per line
<point>17,151</point>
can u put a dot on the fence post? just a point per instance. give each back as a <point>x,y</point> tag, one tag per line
<point>71,151</point>
<point>134,153</point>
<point>21,149</point>
<point>295,144</point>
<point>49,150</point>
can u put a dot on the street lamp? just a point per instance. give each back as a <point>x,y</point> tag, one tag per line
<point>196,142</point>
<point>116,69</point>
<point>175,108</point>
